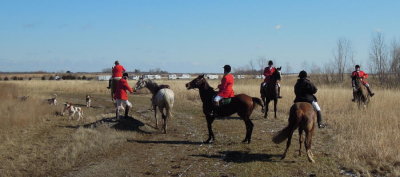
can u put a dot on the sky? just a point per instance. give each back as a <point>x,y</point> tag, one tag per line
<point>194,36</point>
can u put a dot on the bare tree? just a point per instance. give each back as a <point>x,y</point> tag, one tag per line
<point>252,67</point>
<point>288,68</point>
<point>262,63</point>
<point>343,54</point>
<point>395,57</point>
<point>378,56</point>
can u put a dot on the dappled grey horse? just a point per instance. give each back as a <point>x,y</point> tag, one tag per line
<point>163,98</point>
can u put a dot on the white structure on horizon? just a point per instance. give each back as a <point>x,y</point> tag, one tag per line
<point>259,76</point>
<point>212,76</point>
<point>172,77</point>
<point>135,77</point>
<point>104,77</point>
<point>184,76</point>
<point>239,76</point>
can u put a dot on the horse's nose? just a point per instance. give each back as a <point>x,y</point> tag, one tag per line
<point>187,85</point>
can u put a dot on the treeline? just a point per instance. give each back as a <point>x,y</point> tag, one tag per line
<point>138,71</point>
<point>383,64</point>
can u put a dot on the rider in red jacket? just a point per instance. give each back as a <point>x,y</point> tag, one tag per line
<point>268,71</point>
<point>226,86</point>
<point>362,76</point>
<point>121,96</point>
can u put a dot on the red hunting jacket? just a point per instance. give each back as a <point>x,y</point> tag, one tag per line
<point>225,88</point>
<point>268,73</point>
<point>360,74</point>
<point>117,71</point>
<point>120,91</point>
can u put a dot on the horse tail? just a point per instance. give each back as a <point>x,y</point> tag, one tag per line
<point>284,133</point>
<point>169,100</point>
<point>257,101</point>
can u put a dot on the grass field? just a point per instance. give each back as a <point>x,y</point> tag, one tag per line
<point>38,142</point>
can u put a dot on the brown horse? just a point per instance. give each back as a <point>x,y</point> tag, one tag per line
<point>361,94</point>
<point>241,104</point>
<point>302,116</point>
<point>268,92</point>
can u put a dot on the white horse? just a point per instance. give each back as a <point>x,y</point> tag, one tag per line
<point>163,98</point>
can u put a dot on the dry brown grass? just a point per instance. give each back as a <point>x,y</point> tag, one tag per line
<point>364,140</point>
<point>15,112</point>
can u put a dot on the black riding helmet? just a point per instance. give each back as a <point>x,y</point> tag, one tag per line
<point>357,66</point>
<point>227,68</point>
<point>303,74</point>
<point>270,62</point>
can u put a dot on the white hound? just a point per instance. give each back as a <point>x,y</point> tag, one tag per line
<point>53,101</point>
<point>72,110</point>
<point>88,100</point>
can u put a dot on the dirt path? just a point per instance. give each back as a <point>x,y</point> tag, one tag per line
<point>133,147</point>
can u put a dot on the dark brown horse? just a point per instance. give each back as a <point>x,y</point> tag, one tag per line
<point>302,116</point>
<point>241,104</point>
<point>361,94</point>
<point>268,92</point>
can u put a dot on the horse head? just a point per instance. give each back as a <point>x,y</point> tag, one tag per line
<point>141,83</point>
<point>196,83</point>
<point>277,74</point>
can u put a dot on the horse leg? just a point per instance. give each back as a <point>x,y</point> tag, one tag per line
<point>263,100</point>
<point>164,117</point>
<point>275,104</point>
<point>211,137</point>
<point>300,139</point>
<point>249,129</point>
<point>309,133</point>
<point>266,108</point>
<point>155,114</point>
<point>288,143</point>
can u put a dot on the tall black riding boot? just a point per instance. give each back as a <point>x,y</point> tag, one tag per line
<point>354,97</point>
<point>126,112</point>
<point>214,110</point>
<point>370,91</point>
<point>319,120</point>
<point>109,84</point>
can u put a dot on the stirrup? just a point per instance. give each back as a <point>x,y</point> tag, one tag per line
<point>372,94</point>
<point>321,125</point>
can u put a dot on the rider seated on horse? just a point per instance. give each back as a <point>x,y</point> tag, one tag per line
<point>304,91</point>
<point>117,71</point>
<point>358,74</point>
<point>225,88</point>
<point>268,72</point>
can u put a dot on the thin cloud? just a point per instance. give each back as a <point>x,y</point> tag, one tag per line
<point>29,25</point>
<point>278,27</point>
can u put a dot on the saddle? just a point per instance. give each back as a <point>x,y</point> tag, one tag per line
<point>224,101</point>
<point>162,87</point>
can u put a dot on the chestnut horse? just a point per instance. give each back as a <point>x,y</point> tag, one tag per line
<point>361,94</point>
<point>302,116</point>
<point>241,104</point>
<point>268,92</point>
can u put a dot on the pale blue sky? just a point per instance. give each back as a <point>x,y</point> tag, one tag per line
<point>183,35</point>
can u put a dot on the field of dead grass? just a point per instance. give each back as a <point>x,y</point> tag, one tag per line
<point>362,141</point>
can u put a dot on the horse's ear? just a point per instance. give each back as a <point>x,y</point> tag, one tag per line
<point>280,67</point>
<point>201,76</point>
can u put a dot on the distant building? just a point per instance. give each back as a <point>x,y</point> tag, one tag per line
<point>212,76</point>
<point>184,76</point>
<point>172,77</point>
<point>240,76</point>
<point>104,77</point>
